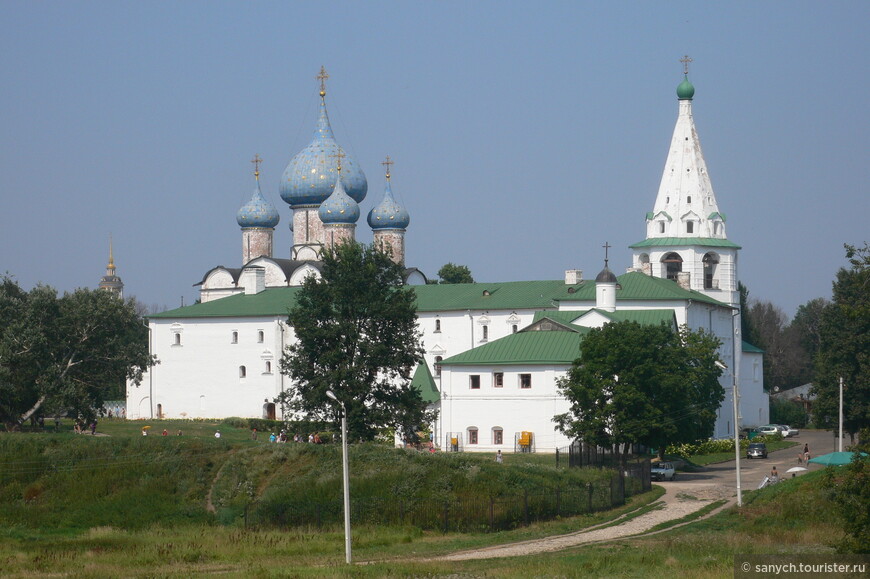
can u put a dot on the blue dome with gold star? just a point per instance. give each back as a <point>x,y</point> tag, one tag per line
<point>388,214</point>
<point>339,207</point>
<point>309,178</point>
<point>258,212</point>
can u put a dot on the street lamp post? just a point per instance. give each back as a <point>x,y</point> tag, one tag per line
<point>734,398</point>
<point>346,473</point>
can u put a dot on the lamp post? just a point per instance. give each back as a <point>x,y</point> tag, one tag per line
<point>734,397</point>
<point>345,472</point>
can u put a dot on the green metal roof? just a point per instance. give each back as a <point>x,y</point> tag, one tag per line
<point>685,241</point>
<point>639,286</point>
<point>271,302</point>
<point>747,347</point>
<point>424,382</point>
<point>645,317</point>
<point>495,296</point>
<point>524,348</point>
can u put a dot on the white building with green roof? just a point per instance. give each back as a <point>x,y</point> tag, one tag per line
<point>493,351</point>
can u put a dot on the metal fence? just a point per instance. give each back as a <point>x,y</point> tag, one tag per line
<point>632,467</point>
<point>490,513</point>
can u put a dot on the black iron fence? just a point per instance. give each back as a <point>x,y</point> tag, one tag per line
<point>632,465</point>
<point>477,513</point>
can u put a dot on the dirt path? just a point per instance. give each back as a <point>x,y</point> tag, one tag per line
<point>679,500</point>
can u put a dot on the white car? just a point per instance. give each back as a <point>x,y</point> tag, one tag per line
<point>770,430</point>
<point>662,471</point>
<point>788,430</point>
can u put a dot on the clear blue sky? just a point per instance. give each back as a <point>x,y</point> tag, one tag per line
<point>524,134</point>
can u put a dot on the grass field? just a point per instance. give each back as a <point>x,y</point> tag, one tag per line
<point>124,505</point>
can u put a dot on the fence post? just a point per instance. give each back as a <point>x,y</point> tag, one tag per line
<point>557,458</point>
<point>526,506</point>
<point>446,511</point>
<point>591,490</point>
<point>558,500</point>
<point>491,514</point>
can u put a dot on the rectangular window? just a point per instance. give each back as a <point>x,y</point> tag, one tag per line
<point>498,379</point>
<point>261,336</point>
<point>235,338</point>
<point>472,436</point>
<point>498,436</point>
<point>690,226</point>
<point>525,380</point>
<point>475,381</point>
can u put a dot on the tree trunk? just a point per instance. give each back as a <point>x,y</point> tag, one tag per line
<point>30,412</point>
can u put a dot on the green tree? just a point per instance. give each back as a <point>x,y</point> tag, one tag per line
<point>850,491</point>
<point>844,349</point>
<point>65,354</point>
<point>787,412</point>
<point>747,327</point>
<point>637,384</point>
<point>786,363</point>
<point>452,273</point>
<point>356,334</point>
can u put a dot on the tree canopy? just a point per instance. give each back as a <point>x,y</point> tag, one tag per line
<point>452,273</point>
<point>356,335</point>
<point>65,354</point>
<point>642,384</point>
<point>844,347</point>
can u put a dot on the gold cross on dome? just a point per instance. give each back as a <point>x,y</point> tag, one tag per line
<point>339,155</point>
<point>388,163</point>
<point>322,78</point>
<point>686,60</point>
<point>256,161</point>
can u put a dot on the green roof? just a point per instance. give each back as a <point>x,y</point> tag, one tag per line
<point>639,286</point>
<point>424,382</point>
<point>526,348</point>
<point>645,317</point>
<point>747,347</point>
<point>684,241</point>
<point>495,296</point>
<point>271,302</point>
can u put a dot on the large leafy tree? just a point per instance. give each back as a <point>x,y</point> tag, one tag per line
<point>642,384</point>
<point>356,334</point>
<point>452,273</point>
<point>844,347</point>
<point>786,362</point>
<point>65,354</point>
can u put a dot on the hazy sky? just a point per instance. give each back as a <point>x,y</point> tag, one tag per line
<point>524,134</point>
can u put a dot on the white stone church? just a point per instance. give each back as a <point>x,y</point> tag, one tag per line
<point>494,351</point>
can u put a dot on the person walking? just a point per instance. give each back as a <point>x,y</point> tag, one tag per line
<point>806,453</point>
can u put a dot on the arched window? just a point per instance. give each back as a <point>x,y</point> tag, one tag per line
<point>485,333</point>
<point>437,325</point>
<point>673,265</point>
<point>261,336</point>
<point>514,329</point>
<point>661,226</point>
<point>268,367</point>
<point>177,338</point>
<point>235,338</point>
<point>242,372</point>
<point>497,435</point>
<point>472,435</point>
<point>711,263</point>
<point>438,365</point>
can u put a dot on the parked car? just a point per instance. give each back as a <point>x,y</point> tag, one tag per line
<point>662,471</point>
<point>788,430</point>
<point>756,450</point>
<point>769,430</point>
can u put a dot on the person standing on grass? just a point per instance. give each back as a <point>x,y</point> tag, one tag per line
<point>499,458</point>
<point>254,434</point>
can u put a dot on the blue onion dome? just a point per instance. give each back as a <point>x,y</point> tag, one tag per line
<point>339,207</point>
<point>388,214</point>
<point>258,212</point>
<point>310,176</point>
<point>685,91</point>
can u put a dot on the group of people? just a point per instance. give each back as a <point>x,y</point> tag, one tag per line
<point>283,436</point>
<point>805,455</point>
<point>80,428</point>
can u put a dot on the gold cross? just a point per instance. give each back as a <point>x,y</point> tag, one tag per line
<point>686,60</point>
<point>322,78</point>
<point>256,161</point>
<point>339,155</point>
<point>388,163</point>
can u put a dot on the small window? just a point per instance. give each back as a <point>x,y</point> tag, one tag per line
<point>235,338</point>
<point>688,198</point>
<point>525,380</point>
<point>690,227</point>
<point>437,325</point>
<point>261,336</point>
<point>485,333</point>
<point>498,379</point>
<point>475,381</point>
<point>661,226</point>
<point>268,367</point>
<point>472,435</point>
<point>177,339</point>
<point>438,365</point>
<point>243,372</point>
<point>497,435</point>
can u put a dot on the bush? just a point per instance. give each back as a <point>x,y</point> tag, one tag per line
<point>787,412</point>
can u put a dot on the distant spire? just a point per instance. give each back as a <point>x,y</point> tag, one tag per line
<point>322,78</point>
<point>686,60</point>
<point>388,163</point>
<point>256,161</point>
<point>110,281</point>
<point>110,269</point>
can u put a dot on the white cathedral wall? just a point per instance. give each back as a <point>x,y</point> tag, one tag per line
<point>509,408</point>
<point>200,377</point>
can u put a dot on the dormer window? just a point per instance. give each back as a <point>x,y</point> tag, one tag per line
<point>690,227</point>
<point>661,226</point>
